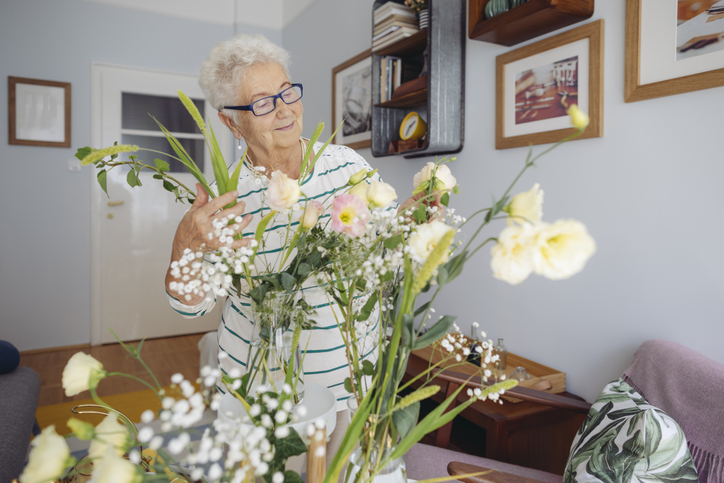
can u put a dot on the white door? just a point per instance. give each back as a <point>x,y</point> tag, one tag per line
<point>132,229</point>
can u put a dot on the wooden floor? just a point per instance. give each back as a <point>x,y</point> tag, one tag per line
<point>164,357</point>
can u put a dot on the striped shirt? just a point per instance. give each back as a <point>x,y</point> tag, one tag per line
<point>325,361</point>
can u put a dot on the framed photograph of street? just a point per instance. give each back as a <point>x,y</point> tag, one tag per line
<point>536,84</point>
<point>38,112</point>
<point>352,101</point>
<point>672,47</point>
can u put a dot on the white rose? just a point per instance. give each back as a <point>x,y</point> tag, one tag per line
<point>109,434</point>
<point>283,192</point>
<point>112,468</point>
<point>48,459</point>
<point>560,250</point>
<point>81,373</point>
<point>311,214</point>
<point>446,181</point>
<point>423,241</point>
<point>360,190</point>
<point>511,255</point>
<point>380,194</point>
<point>526,207</point>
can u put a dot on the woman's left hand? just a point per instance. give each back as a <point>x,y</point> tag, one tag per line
<point>431,200</point>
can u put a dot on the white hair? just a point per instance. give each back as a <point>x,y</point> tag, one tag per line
<point>225,68</point>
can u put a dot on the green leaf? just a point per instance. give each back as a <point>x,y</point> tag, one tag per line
<point>83,152</point>
<point>434,333</point>
<point>442,276</point>
<point>367,308</point>
<point>405,419</point>
<point>368,369</point>
<point>262,225</point>
<point>420,213</point>
<point>161,165</point>
<point>407,329</point>
<point>303,269</point>
<point>392,242</point>
<point>456,190</point>
<point>102,180</point>
<point>290,446</point>
<point>168,186</point>
<point>348,385</point>
<point>292,477</point>
<point>287,281</point>
<point>445,199</point>
<point>454,266</point>
<point>132,179</point>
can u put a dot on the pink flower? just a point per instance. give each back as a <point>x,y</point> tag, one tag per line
<point>349,215</point>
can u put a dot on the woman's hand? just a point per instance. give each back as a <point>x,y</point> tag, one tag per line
<point>414,201</point>
<point>196,225</point>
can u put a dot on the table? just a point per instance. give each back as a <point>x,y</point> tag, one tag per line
<point>522,433</point>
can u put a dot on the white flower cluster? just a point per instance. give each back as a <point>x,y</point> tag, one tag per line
<point>211,276</point>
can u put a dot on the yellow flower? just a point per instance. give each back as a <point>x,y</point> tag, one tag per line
<point>526,207</point>
<point>578,118</point>
<point>112,468</point>
<point>283,192</point>
<point>561,250</point>
<point>511,255</point>
<point>357,177</point>
<point>82,373</point>
<point>425,238</point>
<point>311,214</point>
<point>109,434</point>
<point>380,194</point>
<point>360,190</point>
<point>49,458</point>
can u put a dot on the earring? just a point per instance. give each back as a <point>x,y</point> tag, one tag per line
<point>239,144</point>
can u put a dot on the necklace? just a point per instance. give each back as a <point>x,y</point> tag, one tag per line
<point>256,170</point>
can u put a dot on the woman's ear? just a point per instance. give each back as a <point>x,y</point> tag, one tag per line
<point>229,122</point>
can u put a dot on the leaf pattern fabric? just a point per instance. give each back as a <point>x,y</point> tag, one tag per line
<point>625,439</point>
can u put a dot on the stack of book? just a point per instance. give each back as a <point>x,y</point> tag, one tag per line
<point>393,22</point>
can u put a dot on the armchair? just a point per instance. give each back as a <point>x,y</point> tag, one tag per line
<point>688,386</point>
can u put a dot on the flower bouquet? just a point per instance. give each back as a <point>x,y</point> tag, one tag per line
<point>374,264</point>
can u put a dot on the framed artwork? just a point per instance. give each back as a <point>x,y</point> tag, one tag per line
<point>38,112</point>
<point>536,84</point>
<point>352,101</point>
<point>673,47</point>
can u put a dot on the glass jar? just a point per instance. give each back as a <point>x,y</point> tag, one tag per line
<point>502,353</point>
<point>519,374</point>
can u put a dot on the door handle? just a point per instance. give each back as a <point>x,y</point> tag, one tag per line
<point>115,203</point>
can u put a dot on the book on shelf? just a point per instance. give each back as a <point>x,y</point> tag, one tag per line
<point>392,8</point>
<point>390,77</point>
<point>391,29</point>
<point>390,39</point>
<point>402,22</point>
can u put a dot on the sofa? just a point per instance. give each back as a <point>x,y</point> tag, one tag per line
<point>667,387</point>
<point>19,392</point>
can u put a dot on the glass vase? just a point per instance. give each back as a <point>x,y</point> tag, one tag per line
<point>359,472</point>
<point>274,359</point>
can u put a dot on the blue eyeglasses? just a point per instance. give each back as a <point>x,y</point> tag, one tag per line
<point>265,105</point>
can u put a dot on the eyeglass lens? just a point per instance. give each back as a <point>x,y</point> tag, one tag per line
<point>268,104</point>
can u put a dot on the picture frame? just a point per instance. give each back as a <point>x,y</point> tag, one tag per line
<point>536,84</point>
<point>39,112</point>
<point>352,101</point>
<point>651,71</point>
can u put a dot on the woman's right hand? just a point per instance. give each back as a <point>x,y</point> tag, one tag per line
<point>196,225</point>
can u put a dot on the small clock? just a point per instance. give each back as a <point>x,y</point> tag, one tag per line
<point>413,127</point>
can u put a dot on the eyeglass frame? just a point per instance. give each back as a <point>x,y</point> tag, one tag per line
<point>250,107</point>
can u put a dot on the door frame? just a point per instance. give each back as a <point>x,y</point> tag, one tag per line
<point>97,195</point>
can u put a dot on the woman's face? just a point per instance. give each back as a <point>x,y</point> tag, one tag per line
<point>280,128</point>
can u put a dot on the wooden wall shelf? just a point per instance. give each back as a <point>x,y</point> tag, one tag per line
<point>413,99</point>
<point>527,21</point>
<point>414,44</point>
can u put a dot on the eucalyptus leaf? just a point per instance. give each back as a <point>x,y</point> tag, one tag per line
<point>132,179</point>
<point>292,477</point>
<point>303,269</point>
<point>161,165</point>
<point>445,199</point>
<point>434,333</point>
<point>348,385</point>
<point>102,180</point>
<point>368,368</point>
<point>442,277</point>
<point>405,419</point>
<point>420,213</point>
<point>168,186</point>
<point>83,152</point>
<point>287,281</point>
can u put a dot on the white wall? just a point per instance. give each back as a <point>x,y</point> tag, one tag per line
<point>649,192</point>
<point>44,208</point>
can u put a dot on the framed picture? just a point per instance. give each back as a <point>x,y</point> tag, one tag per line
<point>673,47</point>
<point>38,112</point>
<point>352,101</point>
<point>536,84</point>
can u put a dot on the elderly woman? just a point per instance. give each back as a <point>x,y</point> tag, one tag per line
<point>247,80</point>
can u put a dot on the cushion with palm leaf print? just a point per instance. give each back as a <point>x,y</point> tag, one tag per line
<point>625,439</point>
